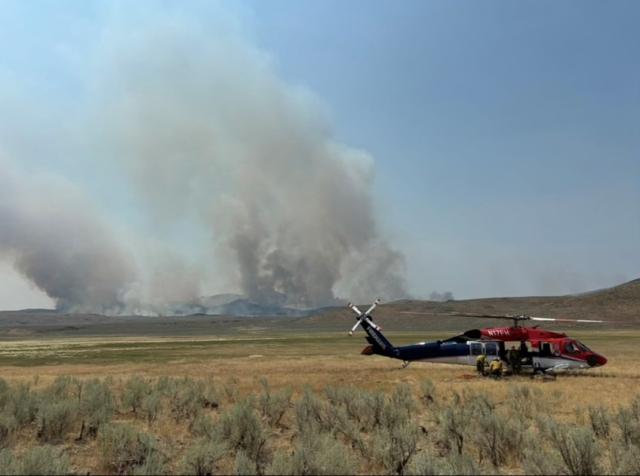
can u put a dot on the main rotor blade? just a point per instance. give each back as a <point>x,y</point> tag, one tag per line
<point>553,319</point>
<point>467,314</point>
<point>510,317</point>
<point>491,316</point>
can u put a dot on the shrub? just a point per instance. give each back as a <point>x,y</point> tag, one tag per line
<point>165,385</point>
<point>462,464</point>
<point>455,419</point>
<point>186,400</point>
<point>371,410</point>
<point>366,409</point>
<point>240,429</point>
<point>151,406</point>
<point>209,395</point>
<point>5,392</point>
<point>64,387</point>
<point>476,405</point>
<point>524,401</point>
<point>44,460</point>
<point>625,459</point>
<point>428,392</point>
<point>402,399</point>
<point>393,416</point>
<point>281,465</point>
<point>341,424</point>
<point>154,464</point>
<point>316,454</point>
<point>395,447</point>
<point>96,407</point>
<point>577,449</point>
<point>135,389</point>
<point>56,419</point>
<point>230,390</point>
<point>635,408</point>
<point>539,461</point>
<point>453,422</point>
<point>244,465</point>
<point>309,412</point>
<point>201,457</point>
<point>497,437</point>
<point>203,426</point>
<point>273,405</point>
<point>124,449</point>
<point>600,421</point>
<point>23,404</point>
<point>8,462</point>
<point>336,421</point>
<point>349,398</point>
<point>8,425</point>
<point>629,426</point>
<point>424,463</point>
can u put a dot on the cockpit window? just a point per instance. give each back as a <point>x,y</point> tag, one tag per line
<point>574,347</point>
<point>571,348</point>
<point>582,347</point>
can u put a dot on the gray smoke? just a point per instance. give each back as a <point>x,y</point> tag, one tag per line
<point>201,122</point>
<point>441,297</point>
<point>55,240</point>
<point>205,132</point>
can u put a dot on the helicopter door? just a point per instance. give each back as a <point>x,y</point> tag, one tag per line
<point>545,349</point>
<point>476,348</point>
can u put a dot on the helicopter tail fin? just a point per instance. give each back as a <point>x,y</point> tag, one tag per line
<point>378,343</point>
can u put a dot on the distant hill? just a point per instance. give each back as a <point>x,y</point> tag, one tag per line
<point>619,303</point>
<point>245,307</point>
<point>236,314</point>
<point>219,299</point>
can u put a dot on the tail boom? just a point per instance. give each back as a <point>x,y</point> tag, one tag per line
<point>379,344</point>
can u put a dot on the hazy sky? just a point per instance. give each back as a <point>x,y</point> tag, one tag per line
<point>505,135</point>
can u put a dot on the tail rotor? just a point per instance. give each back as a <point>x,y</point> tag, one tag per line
<point>366,317</point>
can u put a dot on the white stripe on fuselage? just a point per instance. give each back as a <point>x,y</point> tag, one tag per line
<point>543,363</point>
<point>459,359</point>
<point>558,362</point>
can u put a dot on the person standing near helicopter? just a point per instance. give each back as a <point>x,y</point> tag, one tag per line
<point>481,364</point>
<point>513,358</point>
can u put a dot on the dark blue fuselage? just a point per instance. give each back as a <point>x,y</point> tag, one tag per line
<point>431,350</point>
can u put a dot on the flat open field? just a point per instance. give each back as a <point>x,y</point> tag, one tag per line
<point>153,425</point>
<point>316,359</point>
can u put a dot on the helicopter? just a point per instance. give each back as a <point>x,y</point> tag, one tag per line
<point>550,351</point>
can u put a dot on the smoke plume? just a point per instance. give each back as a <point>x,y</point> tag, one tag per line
<point>54,239</point>
<point>203,130</point>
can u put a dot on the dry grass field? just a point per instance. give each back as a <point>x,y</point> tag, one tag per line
<point>298,360</point>
<point>90,394</point>
<point>301,369</point>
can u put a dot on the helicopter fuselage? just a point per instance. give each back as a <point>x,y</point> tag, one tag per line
<point>539,349</point>
<point>552,353</point>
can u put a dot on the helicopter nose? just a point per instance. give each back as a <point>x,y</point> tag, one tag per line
<point>595,360</point>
